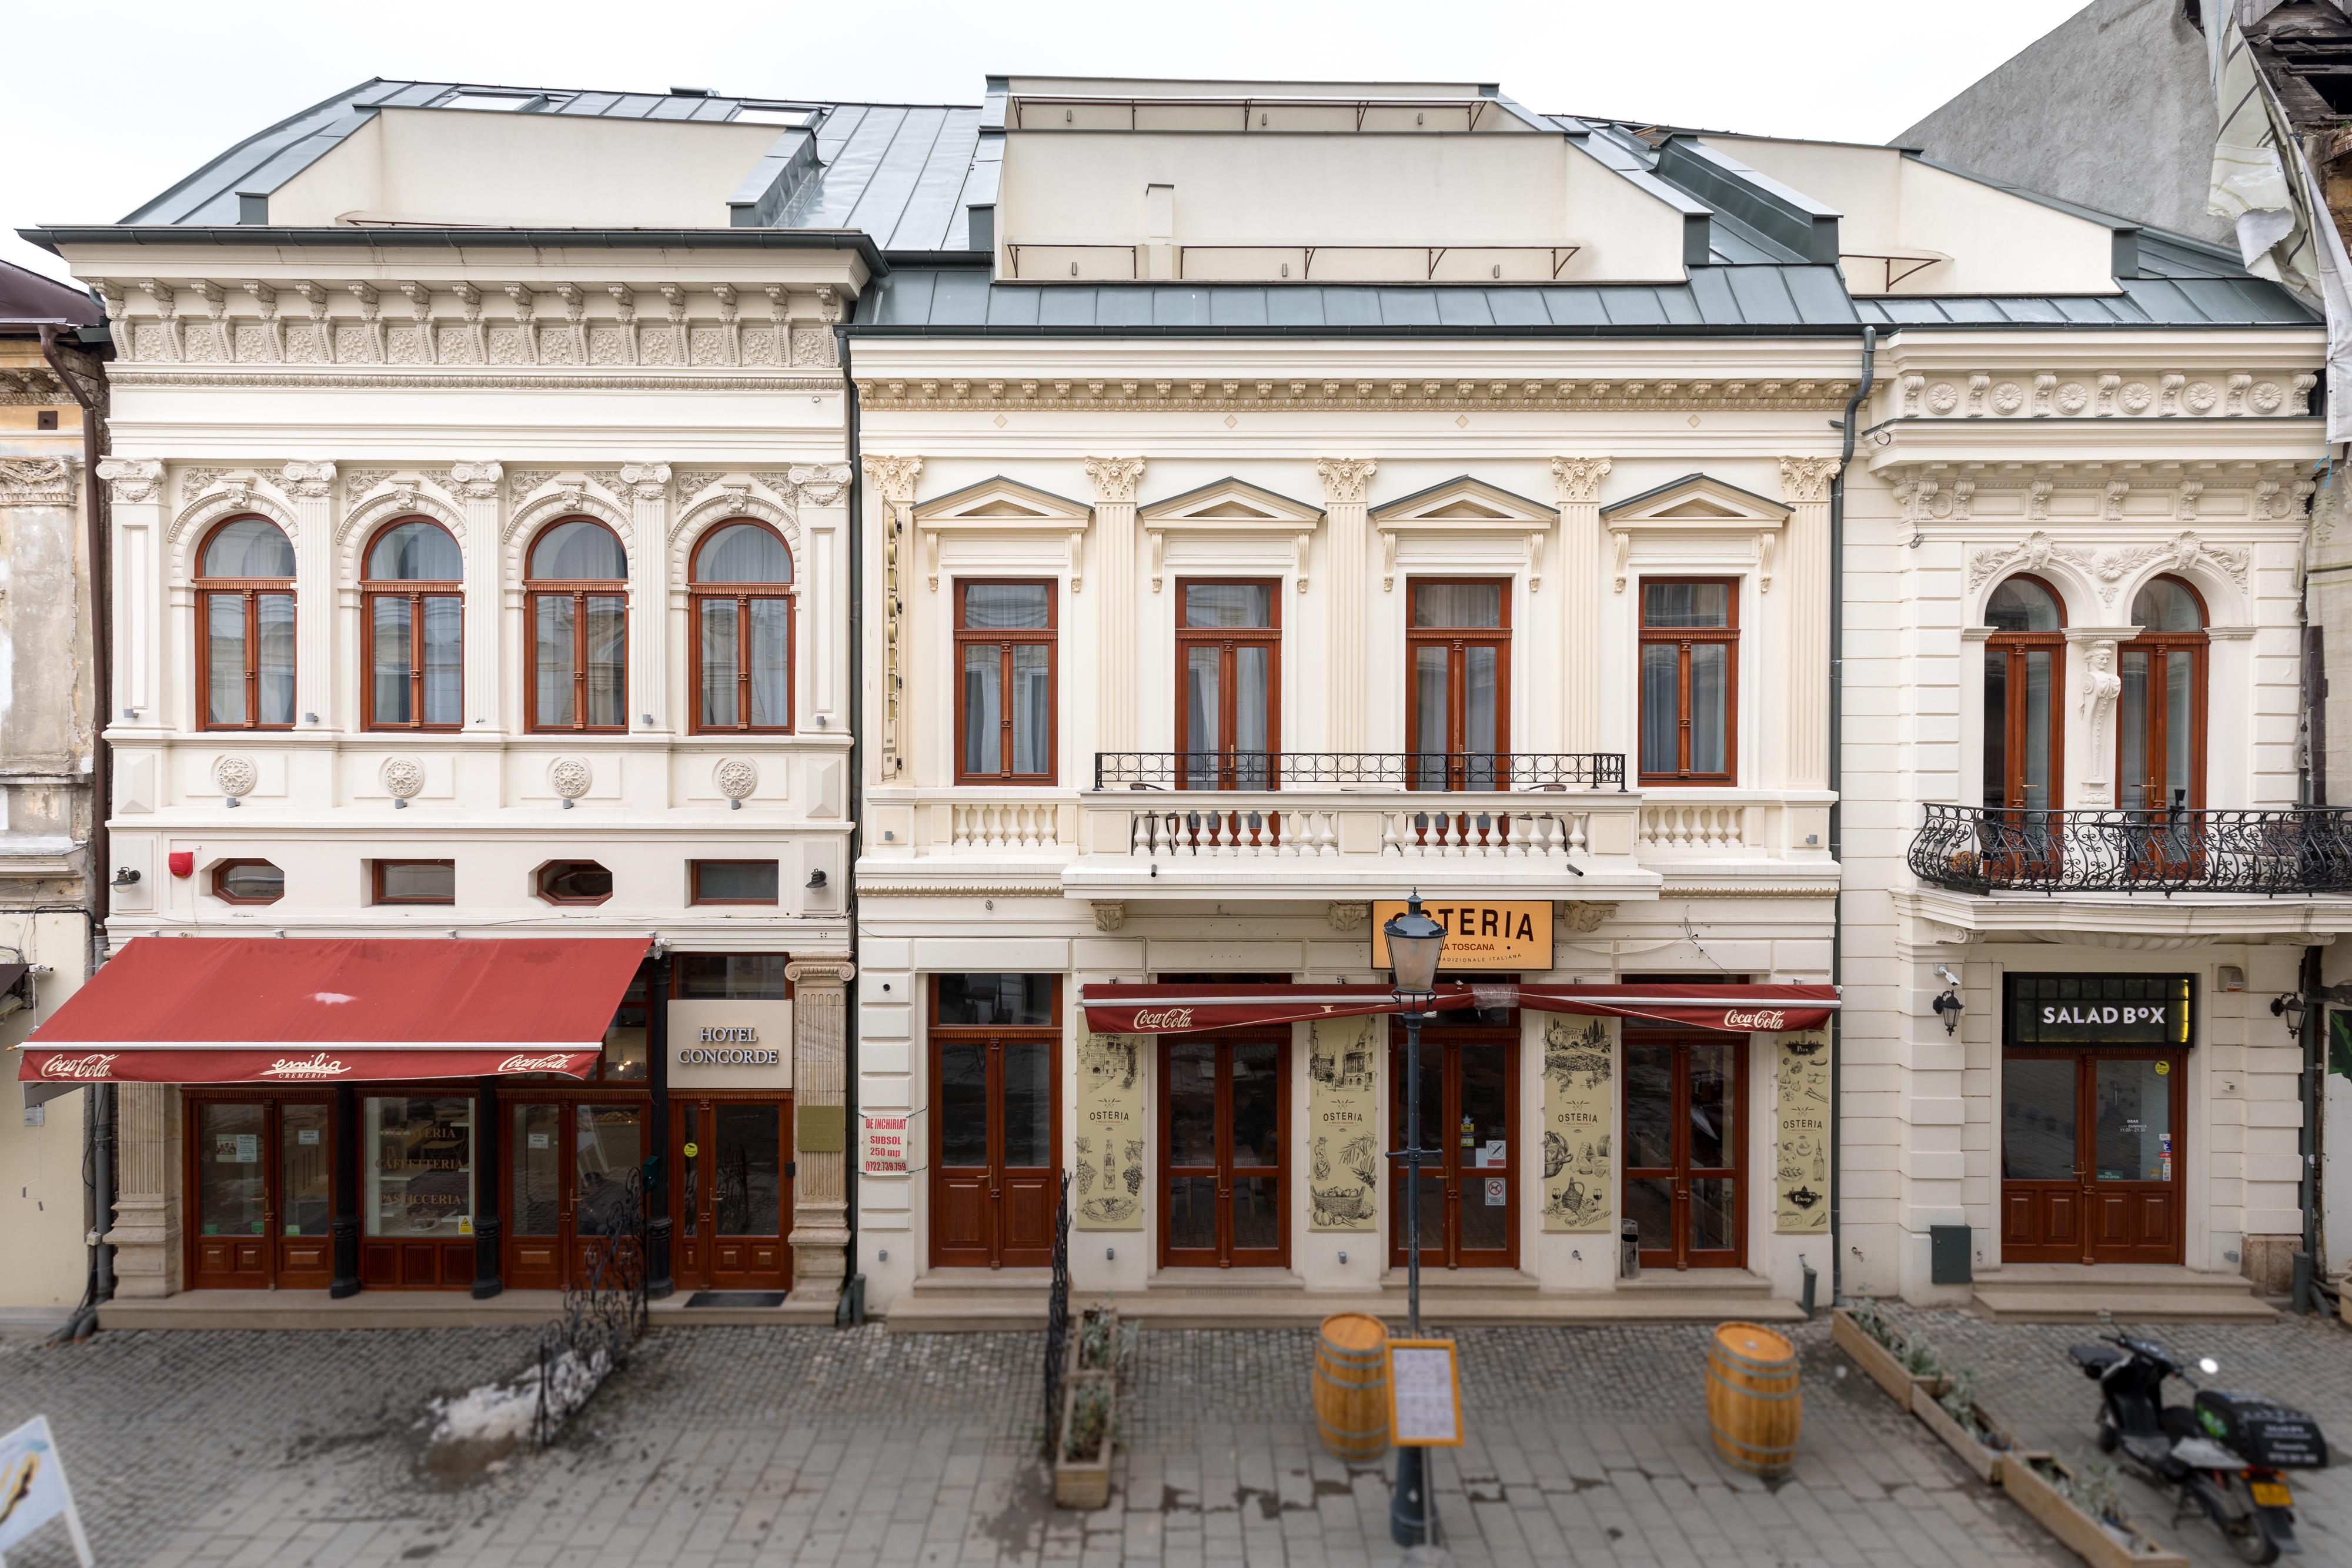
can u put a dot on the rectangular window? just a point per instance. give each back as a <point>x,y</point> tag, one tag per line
<point>1459,683</point>
<point>1005,690</point>
<point>248,655</point>
<point>991,1001</point>
<point>419,1159</point>
<point>416,882</point>
<point>1228,699</point>
<point>624,1061</point>
<point>733,977</point>
<point>1690,681</point>
<point>578,661</point>
<point>416,656</point>
<point>743,658</point>
<point>734,882</point>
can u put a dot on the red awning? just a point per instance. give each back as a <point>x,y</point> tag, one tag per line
<point>239,1009</point>
<point>1183,1009</point>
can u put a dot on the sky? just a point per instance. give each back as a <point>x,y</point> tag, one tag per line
<point>114,112</point>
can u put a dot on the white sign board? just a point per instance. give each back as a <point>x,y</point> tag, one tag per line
<point>1424,1394</point>
<point>33,1490</point>
<point>885,1146</point>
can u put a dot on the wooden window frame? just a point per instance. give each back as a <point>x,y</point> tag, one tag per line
<point>250,590</point>
<point>273,1100</point>
<point>993,1038</point>
<point>541,877</point>
<point>699,592</point>
<point>694,883</point>
<point>1686,637</point>
<point>1049,635</point>
<point>1227,639</point>
<point>220,875</point>
<point>1455,639</point>
<point>579,589</point>
<point>415,590</point>
<point>2162,648</point>
<point>375,883</point>
<point>2012,648</point>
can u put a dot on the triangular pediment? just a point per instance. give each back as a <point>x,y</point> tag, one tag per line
<point>1230,504</point>
<point>1695,501</point>
<point>1465,502</point>
<point>1003,503</point>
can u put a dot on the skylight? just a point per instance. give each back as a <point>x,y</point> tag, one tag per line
<point>509,101</point>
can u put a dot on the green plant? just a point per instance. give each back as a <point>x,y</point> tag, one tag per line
<point>2094,1488</point>
<point>1089,1421</point>
<point>1919,1357</point>
<point>1872,1321</point>
<point>1960,1402</point>
<point>1097,1339</point>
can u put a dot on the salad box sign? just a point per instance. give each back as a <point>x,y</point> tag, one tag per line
<point>2101,1009</point>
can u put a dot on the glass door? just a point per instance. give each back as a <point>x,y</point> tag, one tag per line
<point>734,1194</point>
<point>536,1220</point>
<point>1684,1100</point>
<point>1221,1144</point>
<point>607,1144</point>
<point>1458,684</point>
<point>992,1171</point>
<point>228,1146</point>
<point>2092,1144</point>
<point>1228,651</point>
<point>2024,722</point>
<point>1469,1100</point>
<point>305,1201</point>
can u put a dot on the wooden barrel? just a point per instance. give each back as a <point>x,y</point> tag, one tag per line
<point>1752,1400</point>
<point>1351,1386</point>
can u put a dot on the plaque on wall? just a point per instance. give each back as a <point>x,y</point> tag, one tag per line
<point>1580,1112</point>
<point>1343,1089</point>
<point>1800,1184</point>
<point>1108,1180</point>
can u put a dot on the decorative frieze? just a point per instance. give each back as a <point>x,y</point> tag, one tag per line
<point>36,481</point>
<point>1550,393</point>
<point>2103,395</point>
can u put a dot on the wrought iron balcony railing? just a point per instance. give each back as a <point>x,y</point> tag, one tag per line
<point>1455,770</point>
<point>1980,849</point>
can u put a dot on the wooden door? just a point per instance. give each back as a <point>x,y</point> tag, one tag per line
<point>992,1148</point>
<point>1222,1111</point>
<point>303,1204</point>
<point>2092,1150</point>
<point>1685,1098</point>
<point>229,1157</point>
<point>1469,1105</point>
<point>538,1227</point>
<point>608,1145</point>
<point>734,1194</point>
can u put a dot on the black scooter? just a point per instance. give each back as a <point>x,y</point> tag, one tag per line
<point>2223,1452</point>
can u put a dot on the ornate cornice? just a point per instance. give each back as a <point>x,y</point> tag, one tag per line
<point>36,481</point>
<point>453,376</point>
<point>1387,393</point>
<point>2106,394</point>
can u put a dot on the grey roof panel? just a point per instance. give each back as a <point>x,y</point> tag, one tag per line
<point>1518,307</point>
<point>1352,308</point>
<point>1296,306</point>
<point>1058,307</point>
<point>1408,307</point>
<point>1963,310</point>
<point>1013,306</point>
<point>961,299</point>
<point>1632,307</point>
<point>1179,308</point>
<point>1819,294</point>
<point>1575,307</point>
<point>1236,307</point>
<point>1464,308</point>
<point>1121,305</point>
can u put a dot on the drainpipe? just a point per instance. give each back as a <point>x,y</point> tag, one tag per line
<point>853,1285</point>
<point>1837,807</point>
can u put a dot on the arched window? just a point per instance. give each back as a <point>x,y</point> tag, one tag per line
<point>245,626</point>
<point>2024,717</point>
<point>415,616</point>
<point>741,584</point>
<point>2160,718</point>
<point>579,589</point>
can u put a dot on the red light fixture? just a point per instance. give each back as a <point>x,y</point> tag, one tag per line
<point>184,862</point>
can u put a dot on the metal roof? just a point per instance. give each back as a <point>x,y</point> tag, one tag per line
<point>902,173</point>
<point>29,300</point>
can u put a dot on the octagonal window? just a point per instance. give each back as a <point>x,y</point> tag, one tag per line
<point>574,881</point>
<point>248,881</point>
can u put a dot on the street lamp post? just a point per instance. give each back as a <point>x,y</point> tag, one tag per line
<point>1414,942</point>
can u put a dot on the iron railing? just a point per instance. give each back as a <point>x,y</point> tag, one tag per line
<point>604,1307</point>
<point>1057,1321</point>
<point>1980,849</point>
<point>1549,770</point>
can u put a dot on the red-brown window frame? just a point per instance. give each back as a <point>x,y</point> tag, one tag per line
<point>1686,637</point>
<point>415,590</point>
<point>375,882</point>
<point>698,592</point>
<point>2011,647</point>
<point>694,882</point>
<point>579,589</point>
<point>1454,639</point>
<point>2163,647</point>
<point>1050,636</point>
<point>539,879</point>
<point>249,589</point>
<point>1227,639</point>
<point>220,875</point>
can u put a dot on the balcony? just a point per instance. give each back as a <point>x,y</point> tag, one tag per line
<point>2265,853</point>
<point>1261,770</point>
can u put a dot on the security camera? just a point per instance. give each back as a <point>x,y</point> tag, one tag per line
<point>1943,973</point>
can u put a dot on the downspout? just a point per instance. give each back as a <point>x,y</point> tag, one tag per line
<point>1837,806</point>
<point>853,1154</point>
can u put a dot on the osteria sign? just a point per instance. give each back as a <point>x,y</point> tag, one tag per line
<point>1480,933</point>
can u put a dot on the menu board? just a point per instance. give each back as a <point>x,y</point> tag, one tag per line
<point>1580,1110</point>
<point>1110,1140</point>
<point>1801,1185</point>
<point>1343,1124</point>
<point>1424,1394</point>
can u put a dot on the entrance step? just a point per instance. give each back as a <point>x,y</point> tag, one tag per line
<point>412,1308</point>
<point>2130,1293</point>
<point>974,1301</point>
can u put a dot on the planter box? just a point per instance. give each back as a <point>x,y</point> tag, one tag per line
<point>1875,1359</point>
<point>1083,1483</point>
<point>1070,1367</point>
<point>2080,1533</point>
<point>1985,1460</point>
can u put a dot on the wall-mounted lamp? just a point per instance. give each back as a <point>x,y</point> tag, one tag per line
<point>1949,1006</point>
<point>816,878</point>
<point>124,876</point>
<point>2289,1008</point>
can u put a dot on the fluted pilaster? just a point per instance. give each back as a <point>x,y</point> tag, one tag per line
<point>1115,480</point>
<point>312,488</point>
<point>1346,483</point>
<point>1577,480</point>
<point>477,488</point>
<point>820,1236</point>
<point>1805,579</point>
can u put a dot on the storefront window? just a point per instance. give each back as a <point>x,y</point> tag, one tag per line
<point>305,1203</point>
<point>420,1167</point>
<point>625,1042</point>
<point>732,977</point>
<point>608,1144</point>
<point>229,1171</point>
<point>987,1000</point>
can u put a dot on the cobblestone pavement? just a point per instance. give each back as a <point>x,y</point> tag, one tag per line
<point>2024,1377</point>
<point>805,1446</point>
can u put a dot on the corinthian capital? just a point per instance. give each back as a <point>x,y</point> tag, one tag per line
<point>1578,479</point>
<point>135,479</point>
<point>1345,479</point>
<point>894,477</point>
<point>311,481</point>
<point>1113,477</point>
<point>476,481</point>
<point>1805,481</point>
